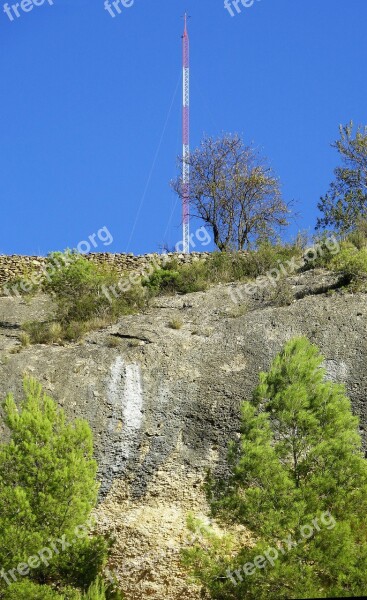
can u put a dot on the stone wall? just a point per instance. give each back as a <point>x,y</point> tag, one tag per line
<point>17,266</point>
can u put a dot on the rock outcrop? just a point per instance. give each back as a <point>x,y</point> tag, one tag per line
<point>165,402</point>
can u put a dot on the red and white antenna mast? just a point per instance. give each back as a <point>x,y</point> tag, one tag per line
<point>186,140</point>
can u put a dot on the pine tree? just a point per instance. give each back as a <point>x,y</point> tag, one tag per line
<point>299,484</point>
<point>47,483</point>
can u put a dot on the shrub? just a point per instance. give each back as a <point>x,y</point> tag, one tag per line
<point>162,281</point>
<point>86,297</point>
<point>358,237</point>
<point>28,590</point>
<point>43,333</point>
<point>192,278</point>
<point>83,290</point>
<point>76,286</point>
<point>321,253</point>
<point>226,267</point>
<point>282,294</point>
<point>132,300</point>
<point>74,331</point>
<point>175,324</point>
<point>113,342</point>
<point>97,590</point>
<point>268,257</point>
<point>100,590</point>
<point>24,339</point>
<point>174,278</point>
<point>352,263</point>
<point>23,285</point>
<point>221,267</point>
<point>81,564</point>
<point>53,332</point>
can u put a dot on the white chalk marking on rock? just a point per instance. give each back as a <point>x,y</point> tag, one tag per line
<point>126,395</point>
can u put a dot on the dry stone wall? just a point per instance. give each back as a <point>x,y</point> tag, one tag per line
<point>17,266</point>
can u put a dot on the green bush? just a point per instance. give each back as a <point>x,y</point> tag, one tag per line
<point>358,237</point>
<point>268,257</point>
<point>321,253</point>
<point>76,285</point>
<point>83,290</point>
<point>128,301</point>
<point>174,278</point>
<point>80,565</point>
<point>28,590</point>
<point>219,267</point>
<point>86,296</point>
<point>97,590</point>
<point>192,278</point>
<point>162,281</point>
<point>100,590</point>
<point>352,263</point>
<point>43,333</point>
<point>226,267</point>
<point>74,331</point>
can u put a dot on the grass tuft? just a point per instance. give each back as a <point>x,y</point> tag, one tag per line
<point>175,324</point>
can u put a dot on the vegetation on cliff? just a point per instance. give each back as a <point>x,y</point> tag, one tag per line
<point>88,297</point>
<point>48,489</point>
<point>299,483</point>
<point>345,204</point>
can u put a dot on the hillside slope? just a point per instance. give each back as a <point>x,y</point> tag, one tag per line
<point>164,403</point>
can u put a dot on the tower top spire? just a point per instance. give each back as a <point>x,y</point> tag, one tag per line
<point>186,17</point>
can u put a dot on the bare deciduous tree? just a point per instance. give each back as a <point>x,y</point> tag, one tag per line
<point>234,192</point>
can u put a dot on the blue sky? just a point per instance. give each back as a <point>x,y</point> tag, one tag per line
<point>91,126</point>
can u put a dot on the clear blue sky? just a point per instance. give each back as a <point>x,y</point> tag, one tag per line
<point>85,98</point>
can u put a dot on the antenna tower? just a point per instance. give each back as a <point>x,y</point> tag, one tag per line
<point>186,140</point>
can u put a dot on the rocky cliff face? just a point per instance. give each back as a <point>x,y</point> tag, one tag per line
<point>165,402</point>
